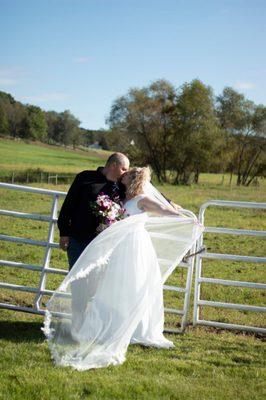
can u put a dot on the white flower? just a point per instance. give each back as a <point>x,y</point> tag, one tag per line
<point>111,214</point>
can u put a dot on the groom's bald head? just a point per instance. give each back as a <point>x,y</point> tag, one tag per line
<point>117,158</point>
<point>116,165</point>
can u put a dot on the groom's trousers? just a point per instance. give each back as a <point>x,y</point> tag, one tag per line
<point>78,301</point>
<point>74,250</point>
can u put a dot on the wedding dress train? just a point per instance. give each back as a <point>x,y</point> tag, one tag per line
<point>113,296</point>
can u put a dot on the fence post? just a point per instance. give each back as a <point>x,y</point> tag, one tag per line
<point>13,177</point>
<point>47,256</point>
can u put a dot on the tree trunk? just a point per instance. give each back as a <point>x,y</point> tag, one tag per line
<point>155,164</point>
<point>196,176</point>
<point>231,177</point>
<point>238,179</point>
<point>255,175</point>
<point>250,165</point>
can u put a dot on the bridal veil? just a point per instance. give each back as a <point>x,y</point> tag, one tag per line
<point>113,294</point>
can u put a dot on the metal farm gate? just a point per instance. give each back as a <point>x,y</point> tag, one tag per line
<point>199,278</point>
<point>49,244</point>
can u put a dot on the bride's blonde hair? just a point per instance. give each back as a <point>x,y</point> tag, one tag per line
<point>138,178</point>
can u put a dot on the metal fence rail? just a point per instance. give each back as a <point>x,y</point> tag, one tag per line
<point>184,312</point>
<point>199,278</point>
<point>49,244</point>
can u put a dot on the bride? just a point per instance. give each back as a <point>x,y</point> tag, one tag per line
<point>113,296</point>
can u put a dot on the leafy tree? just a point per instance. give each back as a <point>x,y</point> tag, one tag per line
<point>176,133</point>
<point>16,114</point>
<point>6,102</point>
<point>143,116</point>
<point>53,130</point>
<point>99,136</point>
<point>7,98</point>
<point>246,123</point>
<point>69,132</point>
<point>196,131</point>
<point>35,125</point>
<point>4,124</point>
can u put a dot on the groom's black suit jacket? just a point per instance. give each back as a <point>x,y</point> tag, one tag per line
<point>76,218</point>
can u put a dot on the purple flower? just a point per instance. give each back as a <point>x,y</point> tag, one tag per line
<point>108,211</point>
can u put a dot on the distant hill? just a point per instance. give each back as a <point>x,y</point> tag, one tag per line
<point>19,156</point>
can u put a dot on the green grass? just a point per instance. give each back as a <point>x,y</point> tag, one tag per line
<point>19,156</point>
<point>205,364</point>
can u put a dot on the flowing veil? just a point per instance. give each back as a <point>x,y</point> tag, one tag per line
<point>99,307</point>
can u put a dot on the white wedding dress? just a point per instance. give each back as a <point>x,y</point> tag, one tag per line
<point>113,296</point>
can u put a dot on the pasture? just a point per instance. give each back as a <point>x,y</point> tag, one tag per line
<point>206,363</point>
<point>20,156</point>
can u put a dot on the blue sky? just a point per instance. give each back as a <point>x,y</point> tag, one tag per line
<point>82,54</point>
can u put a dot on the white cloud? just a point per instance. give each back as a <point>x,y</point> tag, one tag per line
<point>244,85</point>
<point>46,97</point>
<point>81,60</point>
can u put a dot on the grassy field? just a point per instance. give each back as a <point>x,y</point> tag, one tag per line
<point>205,364</point>
<point>19,156</point>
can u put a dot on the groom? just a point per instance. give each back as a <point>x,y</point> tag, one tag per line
<point>76,222</point>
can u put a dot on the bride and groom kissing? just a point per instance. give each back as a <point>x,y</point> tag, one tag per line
<point>77,223</point>
<point>113,293</point>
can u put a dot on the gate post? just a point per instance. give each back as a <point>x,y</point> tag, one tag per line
<point>47,255</point>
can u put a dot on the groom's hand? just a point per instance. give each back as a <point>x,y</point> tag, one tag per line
<point>64,242</point>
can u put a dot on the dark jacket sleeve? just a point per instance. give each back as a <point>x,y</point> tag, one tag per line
<point>70,202</point>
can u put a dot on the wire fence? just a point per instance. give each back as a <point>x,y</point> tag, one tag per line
<point>37,176</point>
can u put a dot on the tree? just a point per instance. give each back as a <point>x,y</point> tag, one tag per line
<point>68,126</point>
<point>175,132</point>
<point>143,116</point>
<point>16,114</point>
<point>4,124</point>
<point>6,103</point>
<point>246,123</point>
<point>53,130</point>
<point>196,131</point>
<point>35,123</point>
<point>28,121</point>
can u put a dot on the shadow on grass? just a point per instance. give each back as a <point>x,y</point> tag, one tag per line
<point>21,331</point>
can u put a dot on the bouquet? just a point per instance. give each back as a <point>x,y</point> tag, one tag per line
<point>107,210</point>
